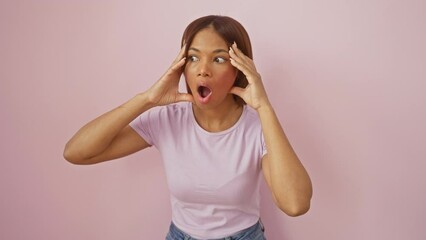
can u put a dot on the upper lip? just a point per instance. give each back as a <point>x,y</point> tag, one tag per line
<point>203,84</point>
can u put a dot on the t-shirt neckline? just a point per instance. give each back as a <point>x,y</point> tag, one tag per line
<point>200,129</point>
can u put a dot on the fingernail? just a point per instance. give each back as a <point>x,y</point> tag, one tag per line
<point>235,44</point>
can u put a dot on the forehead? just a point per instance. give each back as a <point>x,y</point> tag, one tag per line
<point>207,39</point>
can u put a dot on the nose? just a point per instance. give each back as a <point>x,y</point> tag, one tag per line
<point>203,69</point>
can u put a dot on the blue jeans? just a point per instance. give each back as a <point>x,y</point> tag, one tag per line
<point>255,232</point>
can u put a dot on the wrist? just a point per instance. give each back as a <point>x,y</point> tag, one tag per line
<point>141,102</point>
<point>263,103</point>
<point>265,108</point>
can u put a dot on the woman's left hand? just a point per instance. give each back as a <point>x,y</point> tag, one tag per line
<point>254,94</point>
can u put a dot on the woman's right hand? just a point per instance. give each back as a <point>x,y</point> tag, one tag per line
<point>166,89</point>
<point>110,136</point>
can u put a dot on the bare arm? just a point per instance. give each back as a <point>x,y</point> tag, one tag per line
<point>283,171</point>
<point>287,179</point>
<point>109,136</point>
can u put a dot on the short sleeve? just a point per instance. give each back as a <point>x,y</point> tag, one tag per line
<point>142,125</point>
<point>264,150</point>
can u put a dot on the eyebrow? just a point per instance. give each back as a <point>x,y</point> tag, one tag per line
<point>215,51</point>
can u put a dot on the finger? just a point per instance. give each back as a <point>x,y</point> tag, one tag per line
<point>181,54</point>
<point>243,68</point>
<point>244,58</point>
<point>175,69</point>
<point>237,51</point>
<point>178,66</point>
<point>236,59</point>
<point>185,97</point>
<point>242,61</point>
<point>237,91</point>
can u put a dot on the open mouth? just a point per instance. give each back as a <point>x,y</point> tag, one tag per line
<point>204,91</point>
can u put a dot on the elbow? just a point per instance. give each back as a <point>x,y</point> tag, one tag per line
<point>72,156</point>
<point>296,208</point>
<point>296,211</point>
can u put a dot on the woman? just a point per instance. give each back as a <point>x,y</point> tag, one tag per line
<point>215,140</point>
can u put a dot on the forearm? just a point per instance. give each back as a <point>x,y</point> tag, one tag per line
<point>289,181</point>
<point>95,136</point>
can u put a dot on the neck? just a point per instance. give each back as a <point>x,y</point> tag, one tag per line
<point>219,118</point>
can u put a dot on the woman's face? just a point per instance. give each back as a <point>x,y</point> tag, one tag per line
<point>208,71</point>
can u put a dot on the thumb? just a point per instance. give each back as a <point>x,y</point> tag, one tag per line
<point>237,91</point>
<point>184,97</point>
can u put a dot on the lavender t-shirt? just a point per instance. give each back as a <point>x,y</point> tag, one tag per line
<point>214,178</point>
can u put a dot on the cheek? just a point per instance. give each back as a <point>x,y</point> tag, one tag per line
<point>189,79</point>
<point>229,75</point>
<point>189,72</point>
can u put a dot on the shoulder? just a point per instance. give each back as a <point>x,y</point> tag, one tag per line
<point>250,121</point>
<point>170,114</point>
<point>171,109</point>
<point>251,115</point>
<point>179,107</point>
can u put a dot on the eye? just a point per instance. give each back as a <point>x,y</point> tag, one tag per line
<point>193,59</point>
<point>220,60</point>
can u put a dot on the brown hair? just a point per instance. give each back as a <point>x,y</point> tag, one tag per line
<point>231,31</point>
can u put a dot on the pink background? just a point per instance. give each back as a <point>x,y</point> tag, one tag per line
<point>347,79</point>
